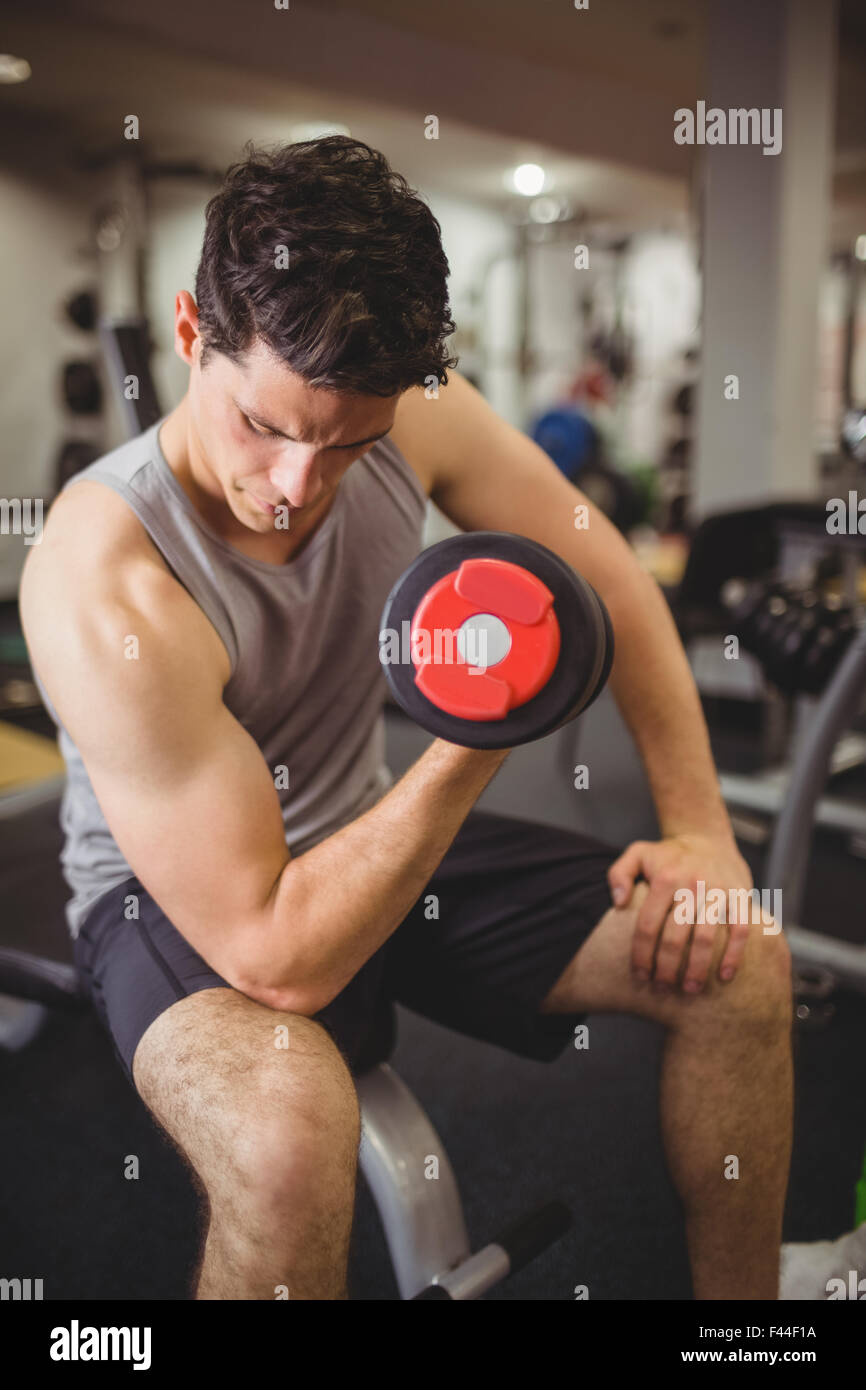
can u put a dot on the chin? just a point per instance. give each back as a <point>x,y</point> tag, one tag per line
<point>248,515</point>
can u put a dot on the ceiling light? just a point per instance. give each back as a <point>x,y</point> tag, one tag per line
<point>860,248</point>
<point>528,179</point>
<point>13,69</point>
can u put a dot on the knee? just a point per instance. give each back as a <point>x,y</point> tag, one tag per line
<point>302,1129</point>
<point>760,996</point>
<point>773,974</point>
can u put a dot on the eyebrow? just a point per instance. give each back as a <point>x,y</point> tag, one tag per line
<point>355,444</point>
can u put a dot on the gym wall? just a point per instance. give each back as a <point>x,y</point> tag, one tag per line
<point>46,226</point>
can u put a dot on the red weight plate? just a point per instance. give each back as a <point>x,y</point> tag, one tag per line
<point>522,602</point>
<point>498,586</point>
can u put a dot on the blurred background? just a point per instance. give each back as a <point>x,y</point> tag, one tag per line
<point>681,326</point>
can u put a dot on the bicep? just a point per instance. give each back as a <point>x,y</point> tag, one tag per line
<point>192,806</point>
<point>183,787</point>
<point>491,476</point>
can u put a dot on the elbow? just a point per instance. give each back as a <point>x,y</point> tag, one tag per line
<point>278,979</point>
<point>287,994</point>
<point>284,999</point>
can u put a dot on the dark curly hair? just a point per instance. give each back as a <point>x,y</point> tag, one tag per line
<point>362,304</point>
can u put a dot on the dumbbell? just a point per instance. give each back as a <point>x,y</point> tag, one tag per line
<point>490,640</point>
<point>790,640</point>
<point>755,608</point>
<point>798,635</point>
<point>836,627</point>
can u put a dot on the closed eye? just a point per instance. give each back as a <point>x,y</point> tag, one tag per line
<point>264,433</point>
<point>256,429</point>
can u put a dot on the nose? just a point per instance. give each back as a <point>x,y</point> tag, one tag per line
<point>297,477</point>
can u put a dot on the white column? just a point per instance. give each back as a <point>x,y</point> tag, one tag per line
<point>764,229</point>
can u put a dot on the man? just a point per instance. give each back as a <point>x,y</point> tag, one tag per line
<point>241,871</point>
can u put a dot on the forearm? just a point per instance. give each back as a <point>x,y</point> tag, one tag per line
<point>657,695</point>
<point>335,905</point>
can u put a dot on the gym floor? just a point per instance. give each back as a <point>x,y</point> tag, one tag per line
<point>584,1128</point>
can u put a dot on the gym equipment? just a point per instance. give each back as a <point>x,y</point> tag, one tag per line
<point>513,1248</point>
<point>813,1003</point>
<point>783,618</point>
<point>854,434</point>
<point>784,540</point>
<point>539,634</point>
<point>798,633</point>
<point>570,438</point>
<point>789,850</point>
<point>751,538</point>
<point>126,344</point>
<point>81,309</point>
<point>422,1220</point>
<point>82,390</point>
<point>614,493</point>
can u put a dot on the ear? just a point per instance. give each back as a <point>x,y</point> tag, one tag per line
<point>187,340</point>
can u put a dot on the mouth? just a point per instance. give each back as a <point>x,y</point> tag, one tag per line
<point>269,508</point>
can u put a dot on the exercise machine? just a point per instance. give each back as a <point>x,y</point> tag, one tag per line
<point>752,573</point>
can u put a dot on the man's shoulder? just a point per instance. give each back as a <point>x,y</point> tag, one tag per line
<point>429,423</point>
<point>91,516</point>
<point>95,578</point>
<point>94,553</point>
<point>90,526</point>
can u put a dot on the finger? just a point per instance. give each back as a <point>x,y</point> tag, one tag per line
<point>738,935</point>
<point>700,958</point>
<point>672,950</point>
<point>650,921</point>
<point>623,872</point>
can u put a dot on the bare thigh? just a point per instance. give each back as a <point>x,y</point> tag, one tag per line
<point>599,979</point>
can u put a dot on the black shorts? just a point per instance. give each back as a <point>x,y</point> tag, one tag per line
<point>498,922</point>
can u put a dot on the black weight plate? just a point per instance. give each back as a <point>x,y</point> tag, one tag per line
<point>586,650</point>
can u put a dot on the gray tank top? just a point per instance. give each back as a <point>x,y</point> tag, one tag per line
<point>302,638</point>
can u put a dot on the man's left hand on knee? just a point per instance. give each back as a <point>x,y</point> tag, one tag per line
<point>700,894</point>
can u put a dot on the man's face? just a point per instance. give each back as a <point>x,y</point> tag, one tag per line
<point>266,440</point>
